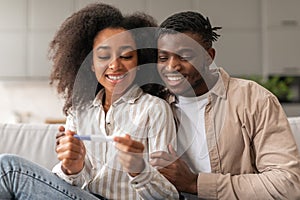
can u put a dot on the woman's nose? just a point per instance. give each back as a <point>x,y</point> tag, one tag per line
<point>114,64</point>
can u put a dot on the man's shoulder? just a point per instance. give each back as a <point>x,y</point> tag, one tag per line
<point>245,91</point>
<point>245,85</point>
<point>239,83</point>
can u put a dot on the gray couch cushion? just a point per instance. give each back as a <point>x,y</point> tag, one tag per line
<point>295,126</point>
<point>35,142</point>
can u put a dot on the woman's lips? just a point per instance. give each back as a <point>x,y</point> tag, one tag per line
<point>115,77</point>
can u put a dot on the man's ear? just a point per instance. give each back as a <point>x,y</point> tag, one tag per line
<point>211,52</point>
<point>93,68</point>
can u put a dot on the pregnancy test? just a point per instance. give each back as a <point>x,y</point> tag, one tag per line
<point>95,138</point>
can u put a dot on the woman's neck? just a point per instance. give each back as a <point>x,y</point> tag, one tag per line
<point>108,99</point>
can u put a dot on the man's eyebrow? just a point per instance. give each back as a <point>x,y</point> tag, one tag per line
<point>178,52</point>
<point>162,51</point>
<point>186,50</point>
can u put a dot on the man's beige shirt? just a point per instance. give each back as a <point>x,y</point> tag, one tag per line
<point>253,154</point>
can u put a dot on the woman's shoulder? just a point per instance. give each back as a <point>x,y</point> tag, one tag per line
<point>153,100</point>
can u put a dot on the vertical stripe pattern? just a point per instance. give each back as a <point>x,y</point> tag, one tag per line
<point>147,119</point>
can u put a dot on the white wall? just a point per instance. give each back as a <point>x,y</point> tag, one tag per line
<point>34,102</point>
<point>258,37</point>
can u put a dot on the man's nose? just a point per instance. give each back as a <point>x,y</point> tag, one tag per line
<point>174,63</point>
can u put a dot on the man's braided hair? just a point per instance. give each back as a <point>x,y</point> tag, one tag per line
<point>192,22</point>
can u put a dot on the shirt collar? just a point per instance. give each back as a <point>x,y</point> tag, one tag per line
<point>220,87</point>
<point>130,96</point>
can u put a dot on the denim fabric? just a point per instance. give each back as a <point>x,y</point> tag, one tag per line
<point>22,179</point>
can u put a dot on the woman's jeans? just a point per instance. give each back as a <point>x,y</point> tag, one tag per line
<point>22,179</point>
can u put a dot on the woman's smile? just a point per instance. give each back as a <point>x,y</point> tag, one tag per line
<point>115,78</point>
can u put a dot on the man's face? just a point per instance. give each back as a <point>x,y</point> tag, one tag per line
<point>182,62</point>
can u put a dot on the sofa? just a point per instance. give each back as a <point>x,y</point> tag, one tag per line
<point>36,142</point>
<point>295,126</point>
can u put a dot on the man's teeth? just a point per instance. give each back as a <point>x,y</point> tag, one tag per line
<point>174,78</point>
<point>116,77</point>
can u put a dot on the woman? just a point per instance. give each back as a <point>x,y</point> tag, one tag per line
<point>119,107</point>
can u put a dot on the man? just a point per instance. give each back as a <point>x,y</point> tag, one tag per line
<point>233,135</point>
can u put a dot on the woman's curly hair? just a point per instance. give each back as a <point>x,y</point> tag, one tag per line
<point>73,43</point>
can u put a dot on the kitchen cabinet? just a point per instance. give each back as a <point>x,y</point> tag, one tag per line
<point>283,41</point>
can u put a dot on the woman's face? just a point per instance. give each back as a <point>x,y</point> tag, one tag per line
<point>114,60</point>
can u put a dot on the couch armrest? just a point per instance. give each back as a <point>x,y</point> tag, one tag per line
<point>295,126</point>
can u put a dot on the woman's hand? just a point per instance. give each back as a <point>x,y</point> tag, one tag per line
<point>70,151</point>
<point>130,154</point>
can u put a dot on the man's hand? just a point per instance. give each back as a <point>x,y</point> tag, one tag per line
<point>175,170</point>
<point>70,151</point>
<point>130,154</point>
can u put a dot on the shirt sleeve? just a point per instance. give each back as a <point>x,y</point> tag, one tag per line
<point>85,175</point>
<point>81,179</point>
<point>276,160</point>
<point>150,184</point>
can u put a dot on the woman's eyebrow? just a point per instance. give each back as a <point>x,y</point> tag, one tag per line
<point>127,47</point>
<point>102,48</point>
<point>121,48</point>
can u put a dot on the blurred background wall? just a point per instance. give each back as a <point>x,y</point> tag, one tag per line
<point>259,38</point>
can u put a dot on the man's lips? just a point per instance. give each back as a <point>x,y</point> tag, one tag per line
<point>174,79</point>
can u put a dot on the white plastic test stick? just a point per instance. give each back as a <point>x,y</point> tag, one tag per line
<point>95,138</point>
